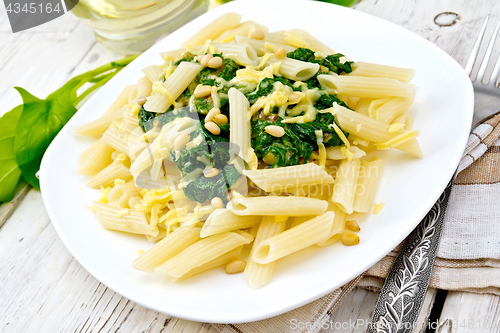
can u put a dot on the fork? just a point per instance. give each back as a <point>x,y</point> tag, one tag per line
<point>490,87</point>
<point>405,287</point>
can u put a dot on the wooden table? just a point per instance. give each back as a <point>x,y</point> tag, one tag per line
<point>44,289</point>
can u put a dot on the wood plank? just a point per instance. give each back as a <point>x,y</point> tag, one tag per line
<point>356,310</point>
<point>468,312</point>
<point>7,208</point>
<point>41,280</point>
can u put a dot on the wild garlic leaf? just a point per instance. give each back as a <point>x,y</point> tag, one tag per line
<point>9,170</point>
<point>40,122</point>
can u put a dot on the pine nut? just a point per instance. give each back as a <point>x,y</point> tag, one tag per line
<point>211,114</point>
<point>181,141</point>
<point>212,128</point>
<point>235,266</point>
<point>257,34</point>
<point>202,91</point>
<point>293,98</point>
<point>349,238</point>
<point>217,203</point>
<point>352,225</point>
<point>205,59</point>
<point>211,173</point>
<point>280,52</point>
<point>141,100</point>
<point>276,131</point>
<point>215,62</point>
<point>220,119</point>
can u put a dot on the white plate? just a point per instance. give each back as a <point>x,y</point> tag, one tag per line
<point>409,187</point>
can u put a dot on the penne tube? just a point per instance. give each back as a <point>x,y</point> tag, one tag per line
<point>294,239</point>
<point>337,227</point>
<point>369,174</point>
<point>203,251</point>
<point>239,121</point>
<point>120,194</point>
<point>224,259</point>
<point>338,153</point>
<point>97,127</point>
<point>258,275</point>
<point>242,53</point>
<point>368,87</point>
<point>387,110</point>
<point>301,38</point>
<point>167,248</point>
<point>144,87</point>
<point>297,70</point>
<point>120,101</point>
<point>109,174</point>
<point>116,139</point>
<point>345,184</point>
<point>95,158</point>
<point>274,205</point>
<point>244,29</point>
<point>278,180</point>
<point>164,95</point>
<point>371,129</point>
<point>214,29</point>
<point>375,70</point>
<point>153,73</point>
<point>131,221</point>
<point>221,220</point>
<point>262,47</point>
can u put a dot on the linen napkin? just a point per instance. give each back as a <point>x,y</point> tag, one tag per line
<point>469,254</point>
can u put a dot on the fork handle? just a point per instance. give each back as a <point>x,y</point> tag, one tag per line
<point>483,114</point>
<point>404,290</point>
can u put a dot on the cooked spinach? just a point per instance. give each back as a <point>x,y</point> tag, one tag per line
<point>298,142</point>
<point>332,61</point>
<point>188,57</point>
<point>204,188</point>
<point>326,101</point>
<point>265,87</point>
<point>219,154</point>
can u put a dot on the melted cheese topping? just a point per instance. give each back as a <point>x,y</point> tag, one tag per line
<point>378,208</point>
<point>396,141</point>
<point>159,88</point>
<point>321,148</point>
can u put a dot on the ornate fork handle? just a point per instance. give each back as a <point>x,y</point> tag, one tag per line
<point>404,289</point>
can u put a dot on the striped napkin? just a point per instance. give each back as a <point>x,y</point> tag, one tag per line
<point>469,254</point>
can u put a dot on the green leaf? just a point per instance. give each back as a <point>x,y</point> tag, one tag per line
<point>40,122</point>
<point>9,171</point>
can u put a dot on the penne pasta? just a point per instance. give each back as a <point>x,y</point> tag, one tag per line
<point>372,130</point>
<point>213,30</point>
<point>240,122</point>
<point>202,252</point>
<point>367,87</point>
<point>279,180</point>
<point>224,259</point>
<point>95,158</point>
<point>375,70</point>
<point>221,220</point>
<point>297,70</point>
<point>295,239</point>
<point>274,205</point>
<point>164,95</point>
<point>132,221</point>
<point>167,248</point>
<point>345,188</point>
<point>258,275</point>
<point>369,175</point>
